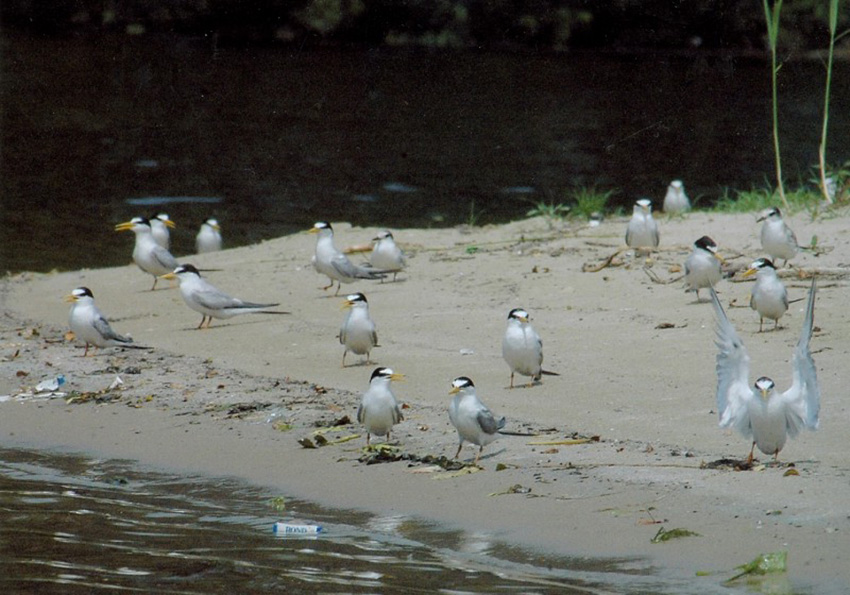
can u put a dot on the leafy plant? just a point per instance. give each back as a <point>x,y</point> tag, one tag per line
<point>589,200</point>
<point>549,210</point>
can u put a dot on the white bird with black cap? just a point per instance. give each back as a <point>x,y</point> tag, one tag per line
<point>90,326</point>
<point>334,264</point>
<point>357,333</point>
<point>379,410</point>
<point>777,239</point>
<point>472,419</point>
<point>210,301</point>
<point>760,412</point>
<point>522,347</point>
<point>702,267</point>
<point>768,297</point>
<point>147,253</point>
<point>160,224</point>
<point>209,237</point>
<point>642,231</point>
<point>386,255</point>
<point>676,201</point>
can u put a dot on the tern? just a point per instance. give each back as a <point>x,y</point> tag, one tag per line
<point>761,412</point>
<point>357,333</point>
<point>642,231</point>
<point>90,326</point>
<point>769,297</point>
<point>159,227</point>
<point>702,267</point>
<point>676,201</point>
<point>386,255</point>
<point>147,254</point>
<point>209,237</point>
<point>472,419</point>
<point>334,264</point>
<point>379,411</point>
<point>522,347</point>
<point>211,302</point>
<point>777,239</point>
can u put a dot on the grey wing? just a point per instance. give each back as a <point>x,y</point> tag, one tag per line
<point>101,325</point>
<point>360,413</point>
<point>656,236</point>
<point>344,266</point>
<point>164,258</point>
<point>214,299</point>
<point>790,236</point>
<point>803,398</point>
<point>397,416</point>
<point>374,337</point>
<point>733,371</point>
<point>629,233</point>
<point>487,422</point>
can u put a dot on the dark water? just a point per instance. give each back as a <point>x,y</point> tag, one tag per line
<point>75,525</point>
<point>278,138</point>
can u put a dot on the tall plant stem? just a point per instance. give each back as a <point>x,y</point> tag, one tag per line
<point>771,15</point>
<point>833,25</point>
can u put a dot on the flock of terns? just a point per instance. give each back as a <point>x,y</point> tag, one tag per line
<point>758,411</point>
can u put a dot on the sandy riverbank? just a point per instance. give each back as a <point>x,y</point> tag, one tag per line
<point>636,358</point>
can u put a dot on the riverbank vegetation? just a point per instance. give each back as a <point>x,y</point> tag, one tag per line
<point>537,25</point>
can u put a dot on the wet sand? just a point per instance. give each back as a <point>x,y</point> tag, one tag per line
<point>635,355</point>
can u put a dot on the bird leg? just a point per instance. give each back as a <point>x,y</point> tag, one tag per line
<point>750,458</point>
<point>459,446</point>
<point>512,379</point>
<point>155,279</point>
<point>478,455</point>
<point>368,436</point>
<point>86,352</point>
<point>326,287</point>
<point>344,353</point>
<point>761,323</point>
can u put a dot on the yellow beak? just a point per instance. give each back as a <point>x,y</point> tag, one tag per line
<point>455,390</point>
<point>126,226</point>
<point>397,377</point>
<point>750,272</point>
<point>720,258</point>
<point>70,298</point>
<point>168,276</point>
<point>170,223</point>
<point>313,230</point>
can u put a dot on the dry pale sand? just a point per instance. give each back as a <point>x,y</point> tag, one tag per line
<point>636,358</point>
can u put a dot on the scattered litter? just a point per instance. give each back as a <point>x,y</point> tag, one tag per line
<point>50,385</point>
<point>467,351</point>
<point>117,383</point>
<point>514,489</point>
<point>284,529</point>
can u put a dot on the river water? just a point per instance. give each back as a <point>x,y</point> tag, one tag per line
<point>70,524</point>
<point>99,129</point>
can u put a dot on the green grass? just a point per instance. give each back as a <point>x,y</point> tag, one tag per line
<point>758,199</point>
<point>581,203</point>
<point>590,200</point>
